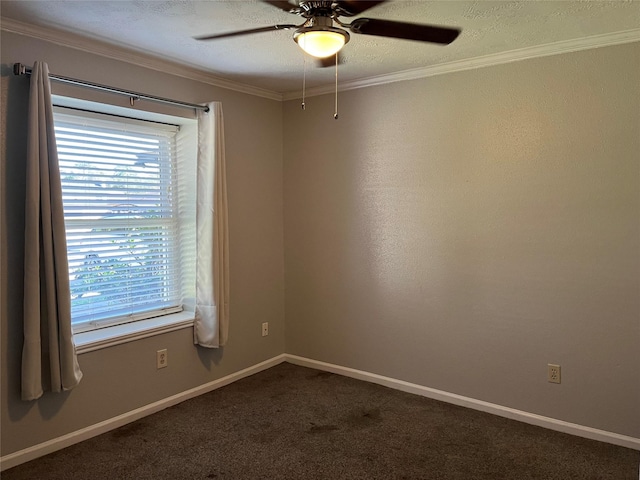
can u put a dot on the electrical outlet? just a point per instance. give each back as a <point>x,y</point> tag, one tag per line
<point>265,329</point>
<point>162,360</point>
<point>553,373</point>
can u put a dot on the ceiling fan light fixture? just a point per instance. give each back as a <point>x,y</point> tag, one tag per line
<point>321,42</point>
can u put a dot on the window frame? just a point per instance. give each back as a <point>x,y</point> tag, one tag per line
<point>109,332</point>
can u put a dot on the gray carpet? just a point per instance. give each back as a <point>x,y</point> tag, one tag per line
<point>291,422</point>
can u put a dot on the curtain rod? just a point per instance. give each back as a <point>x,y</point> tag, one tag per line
<point>20,69</point>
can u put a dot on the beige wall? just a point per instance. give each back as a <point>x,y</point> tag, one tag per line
<point>120,379</point>
<point>459,232</point>
<point>462,231</point>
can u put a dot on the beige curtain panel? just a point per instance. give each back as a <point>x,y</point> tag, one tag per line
<point>49,360</point>
<point>211,325</point>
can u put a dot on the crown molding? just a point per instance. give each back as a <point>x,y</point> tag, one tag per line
<point>84,44</point>
<point>149,61</point>
<point>586,43</point>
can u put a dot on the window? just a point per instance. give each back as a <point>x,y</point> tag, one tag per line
<point>126,197</point>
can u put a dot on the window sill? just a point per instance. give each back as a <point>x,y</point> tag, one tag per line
<point>129,332</point>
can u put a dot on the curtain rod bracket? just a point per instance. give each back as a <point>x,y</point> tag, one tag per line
<point>19,69</point>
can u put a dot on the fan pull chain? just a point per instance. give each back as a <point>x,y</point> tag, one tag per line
<point>304,78</point>
<point>335,115</point>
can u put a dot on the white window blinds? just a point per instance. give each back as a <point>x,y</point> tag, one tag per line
<point>119,185</point>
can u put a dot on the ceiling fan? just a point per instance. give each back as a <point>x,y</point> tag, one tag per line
<point>319,36</point>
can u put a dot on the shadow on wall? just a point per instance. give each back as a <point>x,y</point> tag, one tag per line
<point>210,356</point>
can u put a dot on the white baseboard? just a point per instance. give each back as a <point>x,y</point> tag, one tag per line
<point>526,417</point>
<point>30,453</point>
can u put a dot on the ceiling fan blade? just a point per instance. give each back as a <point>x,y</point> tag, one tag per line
<point>404,30</point>
<point>246,32</point>
<point>350,8</point>
<point>283,5</point>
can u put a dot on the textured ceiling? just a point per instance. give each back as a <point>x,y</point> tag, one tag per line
<point>272,61</point>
